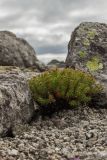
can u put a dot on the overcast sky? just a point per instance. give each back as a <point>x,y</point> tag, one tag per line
<point>47,24</point>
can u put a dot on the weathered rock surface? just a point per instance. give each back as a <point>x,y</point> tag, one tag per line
<point>16,104</point>
<point>87,50</point>
<point>88,40</point>
<point>15,51</point>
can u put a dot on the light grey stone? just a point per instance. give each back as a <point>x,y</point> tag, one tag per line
<point>16,104</point>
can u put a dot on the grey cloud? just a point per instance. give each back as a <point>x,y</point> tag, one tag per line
<point>56,49</point>
<point>48,24</point>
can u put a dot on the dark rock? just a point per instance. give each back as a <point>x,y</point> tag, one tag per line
<point>15,51</point>
<point>87,51</point>
<point>56,63</point>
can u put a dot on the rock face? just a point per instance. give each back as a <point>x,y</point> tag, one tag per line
<point>87,50</point>
<point>88,43</point>
<point>16,105</point>
<point>17,52</point>
<point>89,40</point>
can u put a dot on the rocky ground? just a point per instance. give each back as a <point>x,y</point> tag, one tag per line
<point>80,133</point>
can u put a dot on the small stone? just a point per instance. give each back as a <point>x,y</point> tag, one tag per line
<point>57,149</point>
<point>103,154</point>
<point>13,152</point>
<point>89,135</point>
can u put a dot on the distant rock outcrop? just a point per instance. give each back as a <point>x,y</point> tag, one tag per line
<point>87,50</point>
<point>56,63</point>
<point>17,52</point>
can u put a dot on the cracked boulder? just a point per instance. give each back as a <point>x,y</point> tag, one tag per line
<point>16,104</point>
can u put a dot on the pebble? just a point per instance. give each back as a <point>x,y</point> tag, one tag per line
<point>12,152</point>
<point>79,136</point>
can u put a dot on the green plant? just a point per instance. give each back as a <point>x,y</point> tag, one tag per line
<point>67,86</point>
<point>94,64</point>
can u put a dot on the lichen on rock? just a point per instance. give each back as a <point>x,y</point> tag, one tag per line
<point>94,64</point>
<point>89,38</point>
<point>87,50</point>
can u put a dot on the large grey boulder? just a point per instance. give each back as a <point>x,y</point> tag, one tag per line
<point>87,41</point>
<point>16,104</point>
<point>16,51</point>
<point>87,51</point>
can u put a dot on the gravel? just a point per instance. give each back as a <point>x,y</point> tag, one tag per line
<point>79,133</point>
